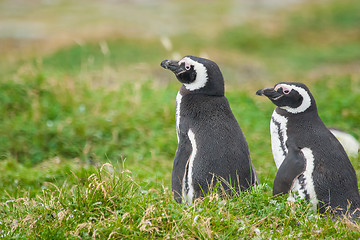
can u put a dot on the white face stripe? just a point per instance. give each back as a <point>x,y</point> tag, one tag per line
<point>189,195</point>
<point>201,74</point>
<point>306,103</point>
<point>177,114</point>
<point>278,133</point>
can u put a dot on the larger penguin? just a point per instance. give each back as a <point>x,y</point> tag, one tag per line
<point>211,145</point>
<point>309,158</point>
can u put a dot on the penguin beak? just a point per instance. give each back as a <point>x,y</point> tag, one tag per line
<point>270,93</point>
<point>173,66</point>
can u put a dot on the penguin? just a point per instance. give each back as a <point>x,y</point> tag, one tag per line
<point>211,147</point>
<point>309,158</point>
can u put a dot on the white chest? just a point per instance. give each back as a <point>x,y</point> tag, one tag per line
<point>304,185</point>
<point>278,132</point>
<point>177,114</point>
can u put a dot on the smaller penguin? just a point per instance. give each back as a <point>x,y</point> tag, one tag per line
<point>309,158</point>
<point>211,146</point>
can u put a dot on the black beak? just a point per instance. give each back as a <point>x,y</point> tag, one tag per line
<point>172,66</point>
<point>270,93</point>
<point>260,92</point>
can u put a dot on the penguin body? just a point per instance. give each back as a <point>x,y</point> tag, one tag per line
<point>310,160</point>
<point>211,145</point>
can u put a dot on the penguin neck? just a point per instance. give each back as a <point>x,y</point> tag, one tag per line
<point>310,112</point>
<point>205,91</point>
<point>307,105</point>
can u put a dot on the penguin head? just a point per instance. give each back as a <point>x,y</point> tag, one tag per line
<point>197,74</point>
<point>292,97</point>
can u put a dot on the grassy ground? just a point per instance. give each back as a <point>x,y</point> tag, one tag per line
<point>87,136</point>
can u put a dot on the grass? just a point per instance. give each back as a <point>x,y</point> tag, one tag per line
<point>75,196</point>
<point>110,204</point>
<point>87,137</point>
<point>123,52</point>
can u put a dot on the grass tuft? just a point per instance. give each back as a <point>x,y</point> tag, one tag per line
<point>109,203</point>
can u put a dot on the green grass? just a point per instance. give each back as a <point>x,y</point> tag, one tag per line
<point>94,56</point>
<point>87,133</point>
<point>110,204</point>
<point>69,195</point>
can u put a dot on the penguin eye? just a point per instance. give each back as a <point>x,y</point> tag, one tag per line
<point>187,67</point>
<point>285,90</point>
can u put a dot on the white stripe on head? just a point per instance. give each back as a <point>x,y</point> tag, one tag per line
<point>201,74</point>
<point>306,102</point>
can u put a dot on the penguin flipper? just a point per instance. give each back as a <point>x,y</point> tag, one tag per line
<point>292,167</point>
<point>182,155</point>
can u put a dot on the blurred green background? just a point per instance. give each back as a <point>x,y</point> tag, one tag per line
<point>81,82</point>
<point>81,85</point>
